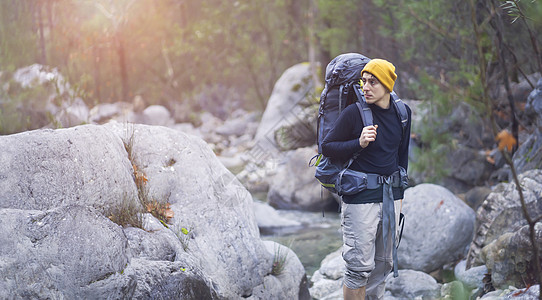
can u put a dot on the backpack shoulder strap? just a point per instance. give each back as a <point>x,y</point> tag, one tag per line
<point>401,110</point>
<point>367,115</point>
<point>364,110</point>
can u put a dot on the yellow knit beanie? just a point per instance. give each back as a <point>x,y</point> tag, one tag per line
<point>383,70</point>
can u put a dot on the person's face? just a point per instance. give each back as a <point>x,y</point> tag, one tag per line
<point>375,92</point>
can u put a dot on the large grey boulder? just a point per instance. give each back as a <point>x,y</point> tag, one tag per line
<point>438,228</point>
<point>45,169</point>
<point>208,200</point>
<point>52,253</point>
<point>58,190</point>
<point>501,212</point>
<point>295,187</point>
<point>288,98</point>
<point>288,117</point>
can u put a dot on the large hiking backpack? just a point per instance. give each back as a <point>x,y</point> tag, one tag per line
<point>341,89</point>
<point>341,74</point>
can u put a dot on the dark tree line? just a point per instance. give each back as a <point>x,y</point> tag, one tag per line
<point>177,51</point>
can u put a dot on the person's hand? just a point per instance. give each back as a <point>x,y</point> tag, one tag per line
<point>367,135</point>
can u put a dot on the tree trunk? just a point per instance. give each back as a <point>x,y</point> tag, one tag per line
<point>122,67</point>
<point>43,58</point>
<point>97,80</point>
<point>312,46</point>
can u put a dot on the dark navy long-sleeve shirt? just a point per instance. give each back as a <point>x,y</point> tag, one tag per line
<point>382,156</point>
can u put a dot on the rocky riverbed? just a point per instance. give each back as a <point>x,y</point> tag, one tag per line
<point>241,187</point>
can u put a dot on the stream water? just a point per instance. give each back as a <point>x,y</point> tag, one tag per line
<point>317,237</point>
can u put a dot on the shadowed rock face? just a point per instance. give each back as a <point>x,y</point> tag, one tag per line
<point>501,212</point>
<point>58,187</point>
<point>510,258</point>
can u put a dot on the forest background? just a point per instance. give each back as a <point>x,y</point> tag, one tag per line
<point>191,55</point>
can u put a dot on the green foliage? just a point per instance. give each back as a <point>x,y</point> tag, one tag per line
<point>434,143</point>
<point>23,108</point>
<point>250,48</point>
<point>18,46</point>
<point>279,260</point>
<point>166,51</point>
<point>338,26</point>
<point>184,235</point>
<point>517,10</point>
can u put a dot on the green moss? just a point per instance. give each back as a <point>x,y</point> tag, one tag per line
<point>296,87</point>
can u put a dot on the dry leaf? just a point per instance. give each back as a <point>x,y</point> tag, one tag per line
<point>506,140</point>
<point>169,214</point>
<point>490,160</point>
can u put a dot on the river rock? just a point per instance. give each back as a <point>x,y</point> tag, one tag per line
<point>156,115</point>
<point>476,196</point>
<point>510,258</point>
<point>531,293</point>
<point>327,281</point>
<point>288,96</point>
<point>59,187</point>
<point>119,111</point>
<point>238,124</point>
<point>37,74</point>
<point>438,228</point>
<point>273,287</point>
<point>72,113</point>
<point>501,212</point>
<point>471,278</point>
<point>55,104</point>
<point>268,218</point>
<point>412,284</point>
<point>295,187</point>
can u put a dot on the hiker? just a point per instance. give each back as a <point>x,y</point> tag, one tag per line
<point>369,217</point>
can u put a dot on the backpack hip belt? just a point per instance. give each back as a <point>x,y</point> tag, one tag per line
<point>375,181</point>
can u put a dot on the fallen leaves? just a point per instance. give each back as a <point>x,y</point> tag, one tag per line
<point>506,140</point>
<point>161,211</point>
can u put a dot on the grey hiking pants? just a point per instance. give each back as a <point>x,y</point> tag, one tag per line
<point>363,247</point>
